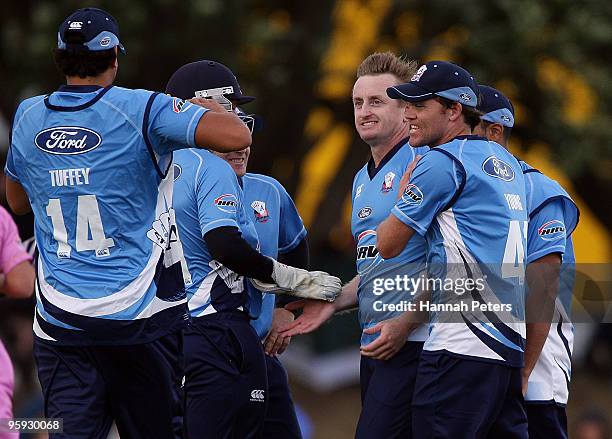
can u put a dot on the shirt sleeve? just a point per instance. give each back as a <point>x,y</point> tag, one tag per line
<point>547,232</point>
<point>172,123</point>
<point>291,228</point>
<point>434,182</point>
<point>9,168</point>
<point>12,251</point>
<point>218,196</point>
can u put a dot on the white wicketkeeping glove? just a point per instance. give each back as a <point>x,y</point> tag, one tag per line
<point>301,283</point>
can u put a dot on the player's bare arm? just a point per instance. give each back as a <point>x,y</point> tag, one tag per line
<point>18,283</point>
<point>407,175</point>
<point>17,198</point>
<point>543,281</point>
<point>219,129</point>
<point>392,235</point>
<point>276,342</point>
<point>394,331</point>
<point>317,312</point>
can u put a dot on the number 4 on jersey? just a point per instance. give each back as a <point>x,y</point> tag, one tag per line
<point>88,223</point>
<point>514,253</point>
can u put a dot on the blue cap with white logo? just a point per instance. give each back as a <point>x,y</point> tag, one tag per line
<point>496,107</point>
<point>438,78</point>
<point>98,30</point>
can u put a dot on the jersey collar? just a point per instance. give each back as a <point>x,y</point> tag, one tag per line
<point>470,137</point>
<point>79,88</point>
<point>373,170</point>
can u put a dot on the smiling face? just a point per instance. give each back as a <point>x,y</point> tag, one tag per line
<point>238,160</point>
<point>429,123</point>
<point>378,118</point>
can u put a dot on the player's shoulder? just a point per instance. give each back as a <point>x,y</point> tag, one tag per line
<point>361,174</point>
<point>130,95</point>
<point>436,156</point>
<point>262,180</point>
<point>28,103</point>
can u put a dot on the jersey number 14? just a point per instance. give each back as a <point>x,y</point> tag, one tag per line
<point>89,230</point>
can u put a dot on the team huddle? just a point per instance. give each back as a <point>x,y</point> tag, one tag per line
<point>168,275</point>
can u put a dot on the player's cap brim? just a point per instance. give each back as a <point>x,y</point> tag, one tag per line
<point>243,99</point>
<point>409,92</point>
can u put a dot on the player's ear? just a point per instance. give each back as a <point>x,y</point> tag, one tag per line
<point>496,132</point>
<point>454,111</point>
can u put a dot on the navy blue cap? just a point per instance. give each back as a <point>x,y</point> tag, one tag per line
<point>496,107</point>
<point>205,79</point>
<point>438,78</point>
<point>99,29</point>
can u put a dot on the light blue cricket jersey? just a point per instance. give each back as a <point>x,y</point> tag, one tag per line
<point>279,228</point>
<point>207,196</point>
<point>466,198</point>
<point>374,195</point>
<point>553,216</point>
<point>94,163</point>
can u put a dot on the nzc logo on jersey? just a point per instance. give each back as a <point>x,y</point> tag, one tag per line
<point>388,183</point>
<point>498,169</point>
<point>227,203</point>
<point>67,140</point>
<point>261,213</point>
<point>552,230</point>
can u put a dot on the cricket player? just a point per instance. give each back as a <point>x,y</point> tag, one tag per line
<point>93,162</point>
<point>390,347</point>
<point>468,383</point>
<point>16,281</point>
<point>226,382</point>
<point>553,216</point>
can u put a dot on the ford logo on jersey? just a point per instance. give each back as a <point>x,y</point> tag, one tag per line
<point>552,230</point>
<point>498,168</point>
<point>67,140</point>
<point>364,212</point>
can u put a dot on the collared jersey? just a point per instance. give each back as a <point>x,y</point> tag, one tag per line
<point>467,198</point>
<point>279,228</point>
<point>373,198</point>
<point>207,196</point>
<point>553,216</point>
<point>94,163</point>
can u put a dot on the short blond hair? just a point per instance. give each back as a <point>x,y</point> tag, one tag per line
<point>380,63</point>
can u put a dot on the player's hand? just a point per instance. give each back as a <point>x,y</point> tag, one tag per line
<point>210,104</point>
<point>275,342</point>
<point>314,314</point>
<point>301,283</point>
<point>407,175</point>
<point>524,381</point>
<point>393,334</point>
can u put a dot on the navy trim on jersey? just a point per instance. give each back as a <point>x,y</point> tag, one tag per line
<point>527,171</point>
<point>108,331</point>
<point>79,88</point>
<point>563,338</point>
<point>509,355</point>
<point>468,137</point>
<point>373,170</point>
<point>88,104</point>
<point>567,380</point>
<point>511,335</point>
<point>461,185</point>
<point>145,136</point>
<point>118,332</point>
